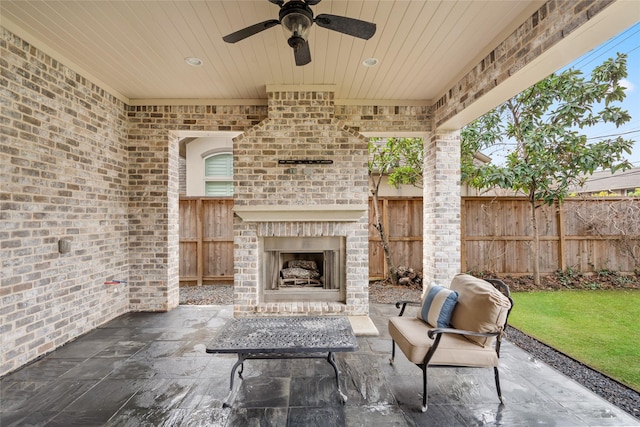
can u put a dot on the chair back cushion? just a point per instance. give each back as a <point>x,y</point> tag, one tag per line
<point>480,307</point>
<point>437,306</point>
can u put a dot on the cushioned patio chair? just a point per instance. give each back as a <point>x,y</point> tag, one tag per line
<point>459,326</point>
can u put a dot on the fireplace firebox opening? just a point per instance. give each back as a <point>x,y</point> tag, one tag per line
<point>303,269</point>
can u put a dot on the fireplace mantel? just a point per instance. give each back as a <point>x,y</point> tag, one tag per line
<point>301,213</point>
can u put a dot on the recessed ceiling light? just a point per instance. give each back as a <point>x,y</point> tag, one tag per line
<point>370,62</point>
<point>193,61</point>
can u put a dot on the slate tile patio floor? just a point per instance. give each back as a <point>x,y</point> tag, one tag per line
<point>151,369</point>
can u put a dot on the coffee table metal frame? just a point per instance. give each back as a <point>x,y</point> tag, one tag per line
<point>284,338</point>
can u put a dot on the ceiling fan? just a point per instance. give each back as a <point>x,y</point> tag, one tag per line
<point>297,18</point>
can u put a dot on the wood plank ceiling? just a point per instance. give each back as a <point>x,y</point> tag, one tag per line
<point>137,48</point>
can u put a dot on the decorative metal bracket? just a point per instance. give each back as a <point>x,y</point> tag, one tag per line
<point>305,162</point>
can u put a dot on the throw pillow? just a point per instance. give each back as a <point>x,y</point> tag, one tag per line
<point>437,306</point>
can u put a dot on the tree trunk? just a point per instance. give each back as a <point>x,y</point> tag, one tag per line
<point>391,268</point>
<point>536,244</point>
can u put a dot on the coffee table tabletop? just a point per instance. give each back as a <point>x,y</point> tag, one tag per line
<point>285,334</point>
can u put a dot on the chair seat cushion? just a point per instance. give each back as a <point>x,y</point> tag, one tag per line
<point>410,334</point>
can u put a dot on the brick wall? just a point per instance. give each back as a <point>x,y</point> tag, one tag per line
<point>553,21</point>
<point>300,126</point>
<point>385,118</point>
<point>64,176</point>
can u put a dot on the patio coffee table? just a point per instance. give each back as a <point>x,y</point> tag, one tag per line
<point>284,338</point>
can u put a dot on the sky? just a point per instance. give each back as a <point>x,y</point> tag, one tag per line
<point>627,42</point>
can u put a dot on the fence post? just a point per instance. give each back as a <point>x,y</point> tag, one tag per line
<point>385,225</point>
<point>463,236</point>
<point>199,243</point>
<point>562,256</point>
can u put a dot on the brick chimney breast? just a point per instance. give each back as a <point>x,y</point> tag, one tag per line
<point>300,127</point>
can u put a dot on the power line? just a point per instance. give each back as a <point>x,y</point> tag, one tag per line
<point>614,134</point>
<point>605,48</point>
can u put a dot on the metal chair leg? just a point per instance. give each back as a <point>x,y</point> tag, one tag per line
<point>495,370</point>
<point>424,388</point>
<point>393,352</point>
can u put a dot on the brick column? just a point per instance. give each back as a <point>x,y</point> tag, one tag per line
<point>153,223</point>
<point>441,207</point>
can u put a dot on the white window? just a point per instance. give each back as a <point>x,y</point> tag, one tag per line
<point>218,175</point>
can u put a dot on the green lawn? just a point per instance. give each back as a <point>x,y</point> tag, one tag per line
<point>598,328</point>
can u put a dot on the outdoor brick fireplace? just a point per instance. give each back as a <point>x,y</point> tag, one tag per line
<point>300,198</point>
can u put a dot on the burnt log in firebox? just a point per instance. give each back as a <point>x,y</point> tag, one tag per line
<point>300,272</point>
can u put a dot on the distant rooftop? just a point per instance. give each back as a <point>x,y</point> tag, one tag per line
<point>621,183</point>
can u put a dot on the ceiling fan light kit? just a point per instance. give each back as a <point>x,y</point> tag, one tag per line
<point>296,18</point>
<point>296,22</point>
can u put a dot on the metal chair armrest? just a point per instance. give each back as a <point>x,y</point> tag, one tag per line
<point>402,305</point>
<point>439,331</point>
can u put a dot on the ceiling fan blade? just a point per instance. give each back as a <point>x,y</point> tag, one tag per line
<point>249,31</point>
<point>302,54</point>
<point>312,2</point>
<point>351,26</point>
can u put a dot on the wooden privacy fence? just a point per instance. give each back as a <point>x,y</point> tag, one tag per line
<point>582,234</point>
<point>206,238</point>
<point>402,218</point>
<point>586,235</point>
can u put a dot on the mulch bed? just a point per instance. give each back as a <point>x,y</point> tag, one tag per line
<point>569,280</point>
